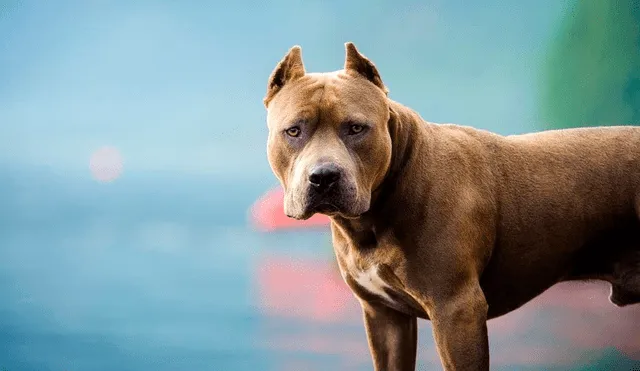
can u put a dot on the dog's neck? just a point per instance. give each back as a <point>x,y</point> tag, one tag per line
<point>404,131</point>
<point>409,145</point>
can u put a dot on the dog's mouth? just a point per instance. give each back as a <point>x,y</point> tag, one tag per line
<point>334,203</point>
<point>329,210</point>
<point>326,208</point>
<point>333,210</point>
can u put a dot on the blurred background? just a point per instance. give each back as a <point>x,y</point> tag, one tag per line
<point>141,227</point>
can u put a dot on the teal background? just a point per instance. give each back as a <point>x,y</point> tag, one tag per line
<point>160,269</point>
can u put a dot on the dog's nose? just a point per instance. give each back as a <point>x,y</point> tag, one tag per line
<point>323,176</point>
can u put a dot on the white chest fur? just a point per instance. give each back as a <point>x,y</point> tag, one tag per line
<point>370,280</point>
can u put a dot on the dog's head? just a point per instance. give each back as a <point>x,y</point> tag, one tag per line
<point>329,142</point>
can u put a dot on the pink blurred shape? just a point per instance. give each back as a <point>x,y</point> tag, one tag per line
<point>308,290</point>
<point>267,214</point>
<point>588,320</point>
<point>568,322</point>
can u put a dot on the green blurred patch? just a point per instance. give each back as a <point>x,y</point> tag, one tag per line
<point>611,360</point>
<point>591,75</point>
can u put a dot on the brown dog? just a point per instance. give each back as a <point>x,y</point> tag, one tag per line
<point>445,222</point>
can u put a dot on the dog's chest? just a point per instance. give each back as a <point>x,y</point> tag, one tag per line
<point>376,283</point>
<point>371,281</point>
<point>372,272</point>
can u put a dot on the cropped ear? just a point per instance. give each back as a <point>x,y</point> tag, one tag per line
<point>290,68</point>
<point>358,63</point>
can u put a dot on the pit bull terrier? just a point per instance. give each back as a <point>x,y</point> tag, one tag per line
<point>445,222</point>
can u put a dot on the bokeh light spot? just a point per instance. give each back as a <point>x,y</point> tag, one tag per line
<point>106,164</point>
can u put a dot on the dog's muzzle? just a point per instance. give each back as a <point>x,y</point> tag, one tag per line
<point>323,177</point>
<point>328,191</point>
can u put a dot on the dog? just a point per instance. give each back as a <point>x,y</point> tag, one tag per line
<point>446,222</point>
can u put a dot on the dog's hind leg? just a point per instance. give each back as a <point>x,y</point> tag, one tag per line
<point>625,286</point>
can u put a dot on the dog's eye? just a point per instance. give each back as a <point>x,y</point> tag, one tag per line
<point>293,132</point>
<point>356,129</point>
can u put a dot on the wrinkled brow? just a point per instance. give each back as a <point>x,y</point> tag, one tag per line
<point>357,118</point>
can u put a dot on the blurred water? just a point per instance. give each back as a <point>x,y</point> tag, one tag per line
<point>129,279</point>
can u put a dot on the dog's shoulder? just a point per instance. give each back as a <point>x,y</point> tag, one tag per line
<point>460,143</point>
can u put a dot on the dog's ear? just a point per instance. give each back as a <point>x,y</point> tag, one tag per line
<point>290,68</point>
<point>358,63</point>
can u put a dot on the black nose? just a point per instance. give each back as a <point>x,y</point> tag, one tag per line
<point>323,176</point>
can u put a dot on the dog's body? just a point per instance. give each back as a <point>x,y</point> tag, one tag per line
<point>541,208</point>
<point>445,222</point>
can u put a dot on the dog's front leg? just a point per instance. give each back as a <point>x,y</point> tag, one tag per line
<point>392,337</point>
<point>460,330</point>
